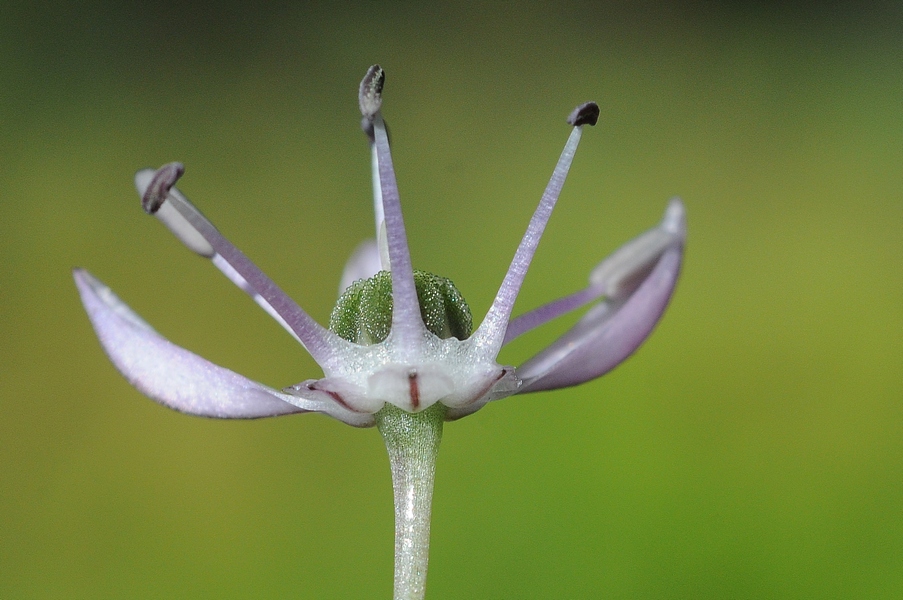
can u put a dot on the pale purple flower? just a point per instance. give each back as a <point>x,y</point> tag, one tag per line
<point>412,368</point>
<point>408,380</point>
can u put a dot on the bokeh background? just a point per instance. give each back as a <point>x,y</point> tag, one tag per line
<point>753,448</point>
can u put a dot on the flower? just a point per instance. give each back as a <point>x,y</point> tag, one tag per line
<point>399,352</point>
<point>412,368</point>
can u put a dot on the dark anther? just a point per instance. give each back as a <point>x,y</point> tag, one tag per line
<point>163,180</point>
<point>585,114</point>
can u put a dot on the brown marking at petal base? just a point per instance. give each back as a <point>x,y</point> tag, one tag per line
<point>414,390</point>
<point>335,396</point>
<point>488,387</point>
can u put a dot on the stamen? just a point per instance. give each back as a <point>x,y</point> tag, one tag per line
<point>491,333</point>
<point>162,199</point>
<point>407,323</point>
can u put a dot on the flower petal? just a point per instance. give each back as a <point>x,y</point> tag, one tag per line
<point>614,329</point>
<point>172,375</point>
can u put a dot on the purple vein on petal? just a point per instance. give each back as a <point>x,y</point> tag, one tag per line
<point>160,195</point>
<point>491,333</point>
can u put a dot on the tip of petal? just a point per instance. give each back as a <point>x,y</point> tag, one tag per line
<point>675,219</point>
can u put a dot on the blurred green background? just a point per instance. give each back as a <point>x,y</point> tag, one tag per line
<point>753,448</point>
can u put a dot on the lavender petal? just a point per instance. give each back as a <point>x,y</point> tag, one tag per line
<point>611,331</point>
<point>172,375</point>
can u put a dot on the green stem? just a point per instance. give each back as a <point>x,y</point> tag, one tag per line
<point>412,440</point>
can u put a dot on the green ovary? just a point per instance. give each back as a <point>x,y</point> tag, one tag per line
<point>363,313</point>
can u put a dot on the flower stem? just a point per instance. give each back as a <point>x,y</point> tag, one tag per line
<point>412,440</point>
